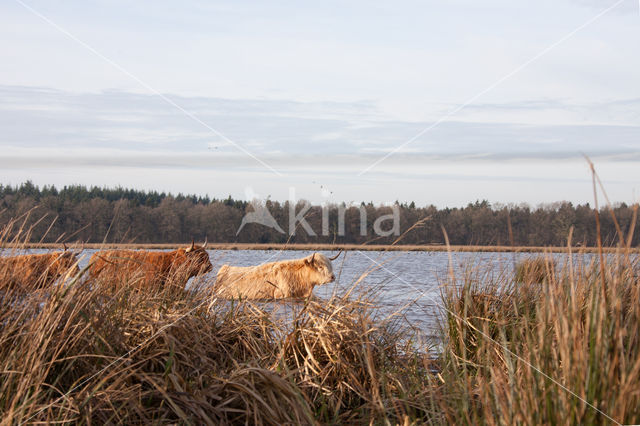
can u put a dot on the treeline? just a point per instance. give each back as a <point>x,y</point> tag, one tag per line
<point>119,215</point>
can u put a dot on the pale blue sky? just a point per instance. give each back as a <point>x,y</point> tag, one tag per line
<point>319,92</point>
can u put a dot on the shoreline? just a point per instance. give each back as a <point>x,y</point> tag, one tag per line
<point>325,247</point>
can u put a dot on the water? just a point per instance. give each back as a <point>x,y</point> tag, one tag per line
<point>405,283</point>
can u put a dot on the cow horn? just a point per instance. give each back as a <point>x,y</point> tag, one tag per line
<point>64,246</point>
<point>336,256</point>
<point>193,244</point>
<point>313,256</point>
<point>205,243</point>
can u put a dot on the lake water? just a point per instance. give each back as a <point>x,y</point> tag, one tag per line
<point>408,283</point>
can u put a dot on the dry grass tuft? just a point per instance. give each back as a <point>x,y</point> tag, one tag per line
<point>535,270</point>
<point>98,351</point>
<point>540,354</point>
<point>557,348</point>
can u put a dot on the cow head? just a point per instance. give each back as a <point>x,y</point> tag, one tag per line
<point>319,269</point>
<point>197,259</point>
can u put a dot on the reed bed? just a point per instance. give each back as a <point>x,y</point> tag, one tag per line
<point>96,351</point>
<point>562,347</point>
<point>534,270</point>
<point>552,346</point>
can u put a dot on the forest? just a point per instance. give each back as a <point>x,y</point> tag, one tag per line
<point>78,213</point>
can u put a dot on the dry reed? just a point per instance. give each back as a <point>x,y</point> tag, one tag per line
<point>98,351</point>
<point>556,348</point>
<point>564,349</point>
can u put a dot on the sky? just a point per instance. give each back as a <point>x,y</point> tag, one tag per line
<point>439,103</point>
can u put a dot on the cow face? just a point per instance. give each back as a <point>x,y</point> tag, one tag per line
<point>320,269</point>
<point>198,261</point>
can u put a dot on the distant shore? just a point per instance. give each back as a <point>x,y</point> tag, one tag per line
<point>324,247</point>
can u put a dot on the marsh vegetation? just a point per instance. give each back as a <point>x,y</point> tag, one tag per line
<point>564,349</point>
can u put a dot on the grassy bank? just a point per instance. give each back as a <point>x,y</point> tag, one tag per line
<point>561,349</point>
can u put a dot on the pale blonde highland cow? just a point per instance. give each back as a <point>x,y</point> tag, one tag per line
<point>275,280</point>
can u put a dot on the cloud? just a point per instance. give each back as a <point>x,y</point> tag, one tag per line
<point>138,130</point>
<point>40,117</point>
<point>346,164</point>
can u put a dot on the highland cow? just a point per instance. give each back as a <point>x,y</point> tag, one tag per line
<point>275,280</point>
<point>146,268</point>
<point>36,271</point>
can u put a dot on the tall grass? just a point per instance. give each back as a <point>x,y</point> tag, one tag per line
<point>558,348</point>
<point>82,352</point>
<point>534,270</point>
<point>561,350</point>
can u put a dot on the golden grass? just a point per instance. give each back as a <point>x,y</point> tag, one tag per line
<point>534,270</point>
<point>564,349</point>
<point>82,353</point>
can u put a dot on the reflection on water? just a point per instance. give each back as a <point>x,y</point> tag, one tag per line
<point>409,282</point>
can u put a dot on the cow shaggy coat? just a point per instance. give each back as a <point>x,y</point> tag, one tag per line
<point>35,271</point>
<point>275,280</point>
<point>147,268</point>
